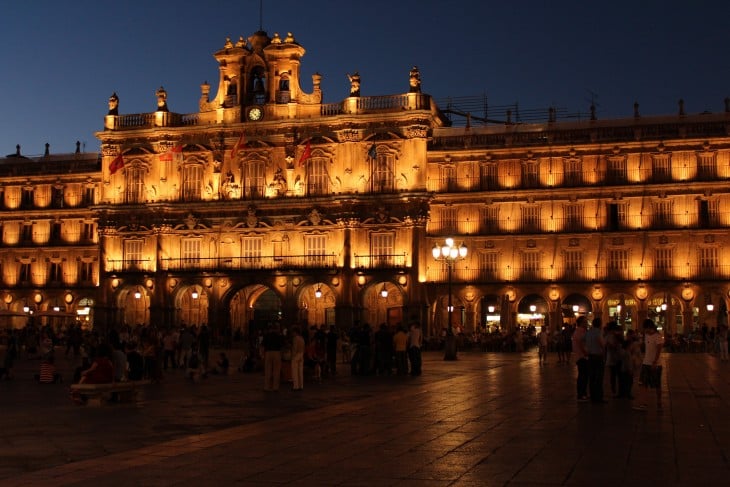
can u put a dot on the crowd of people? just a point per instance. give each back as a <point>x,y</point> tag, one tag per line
<point>290,354</point>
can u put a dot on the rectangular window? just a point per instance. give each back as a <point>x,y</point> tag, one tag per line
<point>573,264</point>
<point>56,231</point>
<point>530,265</point>
<point>251,251</point>
<point>88,232</point>
<point>708,261</point>
<point>89,196</point>
<point>530,218</point>
<point>192,183</point>
<point>618,263</point>
<point>447,175</point>
<point>382,174</point>
<point>57,197</point>
<point>573,174</point>
<point>663,258</point>
<point>24,276</point>
<point>317,177</point>
<point>381,249</point>
<point>27,234</point>
<point>254,180</point>
<point>133,255</point>
<point>573,217</point>
<point>661,168</point>
<point>489,265</point>
<point>315,249</point>
<point>28,198</point>
<point>488,176</point>
<point>55,273</point>
<point>448,219</point>
<point>490,219</point>
<point>86,272</point>
<point>617,216</point>
<point>706,163</point>
<point>662,213</point>
<point>616,170</point>
<point>190,252</point>
<point>530,178</point>
<point>134,179</point>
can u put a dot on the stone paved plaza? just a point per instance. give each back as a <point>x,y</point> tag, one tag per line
<point>486,419</point>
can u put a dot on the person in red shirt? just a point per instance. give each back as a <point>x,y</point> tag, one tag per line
<point>101,370</point>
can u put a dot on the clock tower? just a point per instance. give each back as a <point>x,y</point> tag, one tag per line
<point>259,78</point>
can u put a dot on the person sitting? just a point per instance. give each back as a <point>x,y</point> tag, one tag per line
<point>101,370</point>
<point>222,365</point>
<point>48,374</point>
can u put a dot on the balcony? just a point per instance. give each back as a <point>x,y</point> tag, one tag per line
<point>586,224</point>
<point>588,273</point>
<point>263,262</point>
<point>380,261</point>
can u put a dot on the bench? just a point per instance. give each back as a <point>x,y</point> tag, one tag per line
<point>98,394</point>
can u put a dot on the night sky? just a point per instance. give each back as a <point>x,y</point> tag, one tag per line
<point>62,60</point>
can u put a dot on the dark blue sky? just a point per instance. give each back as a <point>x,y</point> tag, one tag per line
<point>62,60</point>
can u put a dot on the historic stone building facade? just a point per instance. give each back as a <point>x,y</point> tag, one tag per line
<point>269,204</point>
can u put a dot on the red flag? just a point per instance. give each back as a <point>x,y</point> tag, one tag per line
<point>241,144</point>
<point>116,164</point>
<point>306,154</point>
<point>174,150</point>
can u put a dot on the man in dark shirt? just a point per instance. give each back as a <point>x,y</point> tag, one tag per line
<point>135,362</point>
<point>272,344</point>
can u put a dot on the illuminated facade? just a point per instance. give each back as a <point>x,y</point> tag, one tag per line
<point>269,204</point>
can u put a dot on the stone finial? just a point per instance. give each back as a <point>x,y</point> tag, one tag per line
<point>113,104</point>
<point>17,150</point>
<point>289,38</point>
<point>228,43</point>
<point>354,83</point>
<point>276,39</point>
<point>47,152</point>
<point>241,42</point>
<point>414,80</point>
<point>78,147</point>
<point>636,109</point>
<point>161,99</point>
<point>681,107</point>
<point>316,80</point>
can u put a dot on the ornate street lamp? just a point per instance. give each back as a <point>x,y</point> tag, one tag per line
<point>449,253</point>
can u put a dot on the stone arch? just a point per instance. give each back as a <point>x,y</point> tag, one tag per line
<point>532,311</point>
<point>383,302</point>
<point>252,307</point>
<point>134,304</point>
<point>191,305</point>
<point>316,303</point>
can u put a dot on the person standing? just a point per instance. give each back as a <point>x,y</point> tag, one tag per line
<point>651,372</point>
<point>578,344</point>
<point>415,341</point>
<point>333,339</point>
<point>596,348</point>
<point>272,344</point>
<point>400,346</point>
<point>297,359</point>
<point>543,338</point>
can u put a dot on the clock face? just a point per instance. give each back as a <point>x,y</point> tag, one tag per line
<point>255,113</point>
